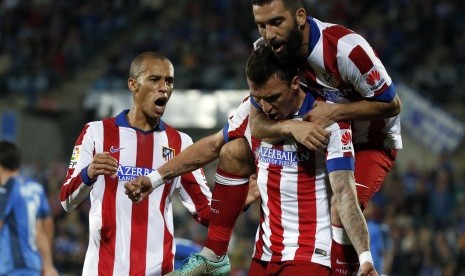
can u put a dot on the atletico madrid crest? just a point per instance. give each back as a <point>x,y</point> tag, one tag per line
<point>331,79</point>
<point>167,153</point>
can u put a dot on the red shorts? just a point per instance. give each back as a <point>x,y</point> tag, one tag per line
<point>371,167</point>
<point>287,268</point>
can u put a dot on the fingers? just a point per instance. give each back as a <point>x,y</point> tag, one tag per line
<point>138,189</point>
<point>133,191</point>
<point>367,269</point>
<point>102,164</point>
<point>315,141</point>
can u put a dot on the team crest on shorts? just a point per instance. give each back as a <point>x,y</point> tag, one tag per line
<point>167,153</point>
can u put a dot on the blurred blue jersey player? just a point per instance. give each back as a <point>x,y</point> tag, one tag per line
<point>24,246</point>
<point>380,239</point>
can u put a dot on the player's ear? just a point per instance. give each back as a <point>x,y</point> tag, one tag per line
<point>295,83</point>
<point>301,18</point>
<point>132,84</point>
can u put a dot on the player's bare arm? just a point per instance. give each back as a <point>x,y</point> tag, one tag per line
<point>324,114</point>
<point>193,157</point>
<point>253,193</point>
<point>308,134</point>
<point>44,247</point>
<point>350,214</point>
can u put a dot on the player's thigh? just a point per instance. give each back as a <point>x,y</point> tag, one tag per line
<point>287,268</point>
<point>371,167</point>
<point>236,158</point>
<point>257,267</point>
<point>297,268</point>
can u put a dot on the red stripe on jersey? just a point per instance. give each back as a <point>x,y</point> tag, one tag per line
<point>274,204</point>
<point>167,263</point>
<point>108,229</point>
<point>74,184</point>
<point>343,125</point>
<point>307,71</point>
<point>239,132</point>
<point>306,194</point>
<point>259,243</point>
<point>331,36</point>
<point>361,59</point>
<point>174,142</point>
<point>140,211</point>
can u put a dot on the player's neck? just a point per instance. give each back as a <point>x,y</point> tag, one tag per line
<point>300,98</point>
<point>5,175</point>
<point>142,122</point>
<point>303,51</point>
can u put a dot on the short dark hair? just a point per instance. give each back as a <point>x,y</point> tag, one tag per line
<point>291,5</point>
<point>137,62</point>
<point>262,64</point>
<point>10,156</point>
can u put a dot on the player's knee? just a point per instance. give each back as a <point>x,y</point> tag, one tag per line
<point>236,158</point>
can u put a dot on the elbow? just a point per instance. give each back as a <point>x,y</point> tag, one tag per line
<point>396,106</point>
<point>67,206</point>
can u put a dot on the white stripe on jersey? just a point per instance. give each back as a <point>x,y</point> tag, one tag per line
<point>353,83</point>
<point>159,222</point>
<point>289,204</point>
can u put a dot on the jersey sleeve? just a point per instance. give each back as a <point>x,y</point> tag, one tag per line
<point>361,67</point>
<point>77,184</point>
<point>238,124</point>
<point>193,190</point>
<point>340,150</point>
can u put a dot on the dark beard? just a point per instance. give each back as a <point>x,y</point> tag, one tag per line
<point>292,46</point>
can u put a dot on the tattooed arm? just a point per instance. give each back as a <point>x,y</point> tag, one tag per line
<point>193,157</point>
<point>348,209</point>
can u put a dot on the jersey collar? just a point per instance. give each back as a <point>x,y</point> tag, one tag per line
<point>307,105</point>
<point>314,34</point>
<point>122,121</point>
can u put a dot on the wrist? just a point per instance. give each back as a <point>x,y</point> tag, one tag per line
<point>155,178</point>
<point>365,257</point>
<point>286,128</point>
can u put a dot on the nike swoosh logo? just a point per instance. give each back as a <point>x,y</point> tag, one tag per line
<point>345,263</point>
<point>113,150</point>
<point>215,200</point>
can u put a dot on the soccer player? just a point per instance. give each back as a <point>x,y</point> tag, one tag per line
<point>127,238</point>
<point>339,65</point>
<point>295,226</point>
<point>24,245</point>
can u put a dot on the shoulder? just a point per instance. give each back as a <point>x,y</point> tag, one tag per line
<point>173,131</point>
<point>185,137</point>
<point>32,184</point>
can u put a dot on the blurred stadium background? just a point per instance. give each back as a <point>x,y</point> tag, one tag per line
<point>63,63</point>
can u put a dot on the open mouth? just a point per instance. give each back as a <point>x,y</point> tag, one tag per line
<point>161,102</point>
<point>277,47</point>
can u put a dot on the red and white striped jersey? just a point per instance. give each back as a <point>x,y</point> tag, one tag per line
<point>295,221</point>
<point>127,238</point>
<point>343,67</point>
